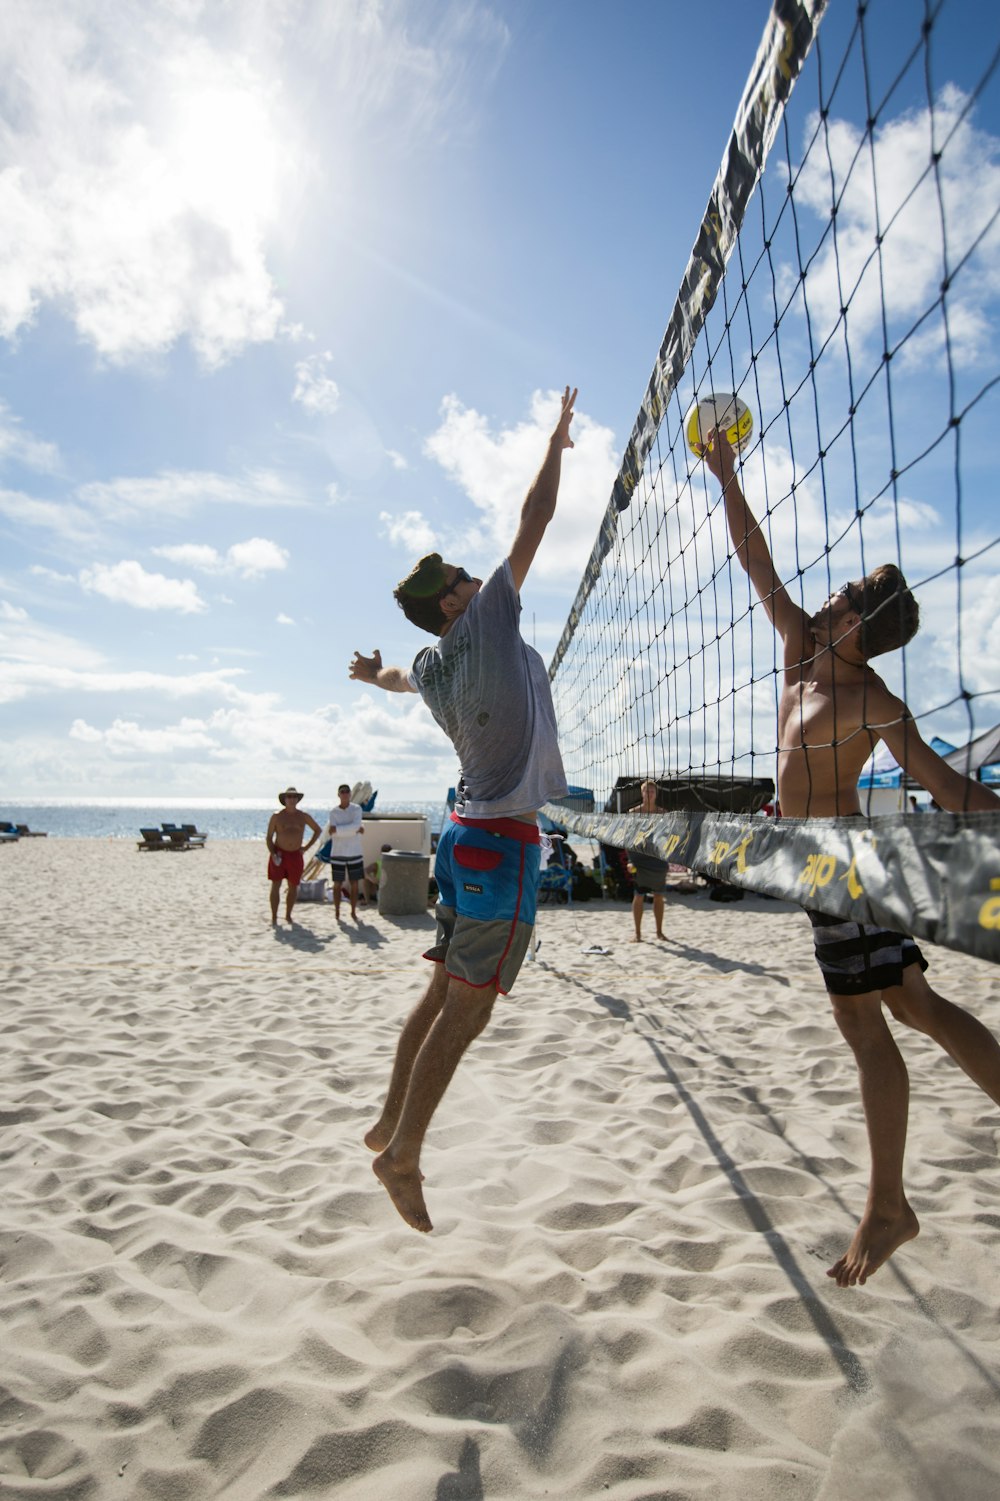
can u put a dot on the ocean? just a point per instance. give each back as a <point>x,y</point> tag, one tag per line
<point>109,818</point>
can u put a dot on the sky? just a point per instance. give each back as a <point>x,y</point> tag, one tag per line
<point>288,293</point>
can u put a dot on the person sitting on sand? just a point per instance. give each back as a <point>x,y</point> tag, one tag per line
<point>489,692</point>
<point>832,713</point>
<point>650,871</point>
<point>286,850</point>
<point>373,874</point>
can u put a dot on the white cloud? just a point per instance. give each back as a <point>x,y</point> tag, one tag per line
<point>249,559</point>
<point>21,447</point>
<point>50,573</point>
<point>284,620</point>
<point>68,520</point>
<point>411,531</point>
<point>25,675</point>
<point>141,173</point>
<point>397,460</point>
<point>128,583</point>
<point>125,738</point>
<point>257,556</point>
<point>314,389</point>
<point>11,612</point>
<point>495,470</point>
<point>180,492</point>
<point>910,216</point>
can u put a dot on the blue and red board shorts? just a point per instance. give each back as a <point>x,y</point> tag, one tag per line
<point>487,873</point>
<point>292,864</point>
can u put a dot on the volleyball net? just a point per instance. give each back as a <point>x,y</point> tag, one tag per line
<point>845,283</point>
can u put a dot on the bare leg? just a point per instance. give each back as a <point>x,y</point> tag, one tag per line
<point>888,1220</point>
<point>964,1038</point>
<point>658,913</point>
<point>463,1016</point>
<point>275,894</point>
<point>637,905</point>
<point>337,888</point>
<point>411,1040</point>
<point>293,891</point>
<point>354,900</point>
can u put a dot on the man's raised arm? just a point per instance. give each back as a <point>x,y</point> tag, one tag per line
<point>370,670</point>
<point>540,502</point>
<point>791,623</point>
<point>948,787</point>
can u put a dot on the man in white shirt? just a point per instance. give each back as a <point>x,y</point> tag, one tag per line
<point>346,856</point>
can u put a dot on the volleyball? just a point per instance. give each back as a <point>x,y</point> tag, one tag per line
<point>725,410</point>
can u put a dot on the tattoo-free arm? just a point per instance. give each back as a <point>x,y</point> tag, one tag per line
<point>370,670</point>
<point>948,787</point>
<point>791,622</point>
<point>540,502</point>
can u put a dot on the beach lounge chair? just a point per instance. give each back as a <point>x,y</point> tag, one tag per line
<point>195,838</point>
<point>152,839</point>
<point>26,833</point>
<point>8,833</point>
<point>555,881</point>
<point>176,839</point>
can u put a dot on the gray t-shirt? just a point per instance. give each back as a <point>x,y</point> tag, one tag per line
<point>489,692</point>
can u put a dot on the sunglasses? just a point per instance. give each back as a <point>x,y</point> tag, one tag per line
<point>846,591</point>
<point>461,577</point>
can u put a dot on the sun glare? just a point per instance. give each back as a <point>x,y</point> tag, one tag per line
<point>224,153</point>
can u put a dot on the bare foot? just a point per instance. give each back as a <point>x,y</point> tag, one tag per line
<point>403,1188</point>
<point>874,1242</point>
<point>662,936</point>
<point>636,939</point>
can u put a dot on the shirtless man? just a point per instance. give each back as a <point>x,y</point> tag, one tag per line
<point>489,692</point>
<point>832,712</point>
<point>650,871</point>
<point>286,850</point>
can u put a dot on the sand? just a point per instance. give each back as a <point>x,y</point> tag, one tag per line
<point>637,1180</point>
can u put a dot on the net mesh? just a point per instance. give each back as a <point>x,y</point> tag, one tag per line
<point>850,298</point>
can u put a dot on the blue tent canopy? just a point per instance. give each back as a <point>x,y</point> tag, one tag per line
<point>883,770</point>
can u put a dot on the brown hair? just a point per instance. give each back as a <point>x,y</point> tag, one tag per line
<point>889,613</point>
<point>418,596</point>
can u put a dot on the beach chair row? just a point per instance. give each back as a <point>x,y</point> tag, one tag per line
<point>11,832</point>
<point>172,836</point>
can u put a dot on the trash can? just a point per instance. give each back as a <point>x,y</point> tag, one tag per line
<point>403,885</point>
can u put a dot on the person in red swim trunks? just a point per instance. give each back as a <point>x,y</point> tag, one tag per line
<point>286,850</point>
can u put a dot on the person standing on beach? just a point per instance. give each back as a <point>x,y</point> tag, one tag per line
<point>489,692</point>
<point>650,871</point>
<point>286,851</point>
<point>347,861</point>
<point>832,712</point>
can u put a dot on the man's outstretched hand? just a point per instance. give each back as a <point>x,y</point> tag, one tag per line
<point>366,669</point>
<point>565,418</point>
<point>719,457</point>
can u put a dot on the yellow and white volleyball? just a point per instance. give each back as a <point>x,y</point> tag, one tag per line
<point>724,410</point>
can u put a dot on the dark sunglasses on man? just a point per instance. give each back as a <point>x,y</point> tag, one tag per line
<point>461,577</point>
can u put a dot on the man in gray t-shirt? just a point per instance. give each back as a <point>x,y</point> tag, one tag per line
<point>489,692</point>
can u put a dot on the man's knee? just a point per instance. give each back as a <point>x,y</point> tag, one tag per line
<point>859,1018</point>
<point>914,1003</point>
<point>469,1007</point>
